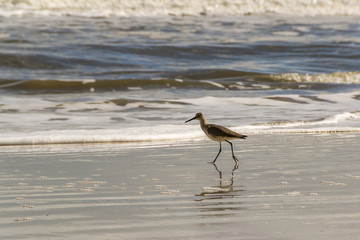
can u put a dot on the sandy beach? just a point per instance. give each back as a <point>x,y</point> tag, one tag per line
<point>287,186</point>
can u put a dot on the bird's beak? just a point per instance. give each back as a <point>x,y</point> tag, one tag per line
<point>190,119</point>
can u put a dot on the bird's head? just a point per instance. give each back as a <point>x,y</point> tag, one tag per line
<point>198,116</point>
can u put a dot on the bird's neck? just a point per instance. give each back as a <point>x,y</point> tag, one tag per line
<point>203,122</point>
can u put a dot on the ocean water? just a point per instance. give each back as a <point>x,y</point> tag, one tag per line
<point>116,71</point>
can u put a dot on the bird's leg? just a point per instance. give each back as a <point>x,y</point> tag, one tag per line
<point>232,150</point>
<point>217,154</point>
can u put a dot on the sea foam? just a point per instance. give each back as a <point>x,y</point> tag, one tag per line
<point>103,8</point>
<point>336,77</point>
<point>173,133</point>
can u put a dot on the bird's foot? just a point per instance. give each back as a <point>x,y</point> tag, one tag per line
<point>235,159</point>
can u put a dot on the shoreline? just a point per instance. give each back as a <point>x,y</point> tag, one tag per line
<point>41,139</point>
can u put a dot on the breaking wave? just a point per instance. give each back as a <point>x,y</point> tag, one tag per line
<point>103,8</point>
<point>332,124</point>
<point>337,77</point>
<point>202,79</point>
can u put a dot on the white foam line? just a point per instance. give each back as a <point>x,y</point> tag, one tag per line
<point>185,7</point>
<point>216,84</point>
<point>142,135</point>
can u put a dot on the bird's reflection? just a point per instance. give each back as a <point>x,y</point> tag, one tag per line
<point>223,199</point>
<point>221,184</point>
<point>224,187</point>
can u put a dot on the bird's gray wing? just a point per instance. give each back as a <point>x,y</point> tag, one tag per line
<point>217,130</point>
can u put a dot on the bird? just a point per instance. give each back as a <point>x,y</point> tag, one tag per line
<point>217,133</point>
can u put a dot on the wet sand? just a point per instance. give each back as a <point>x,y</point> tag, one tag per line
<point>287,186</point>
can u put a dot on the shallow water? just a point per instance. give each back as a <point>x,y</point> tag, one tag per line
<point>286,186</point>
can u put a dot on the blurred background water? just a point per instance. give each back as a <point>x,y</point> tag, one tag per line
<point>98,71</point>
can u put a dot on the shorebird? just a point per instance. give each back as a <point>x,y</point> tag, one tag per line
<point>217,133</point>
